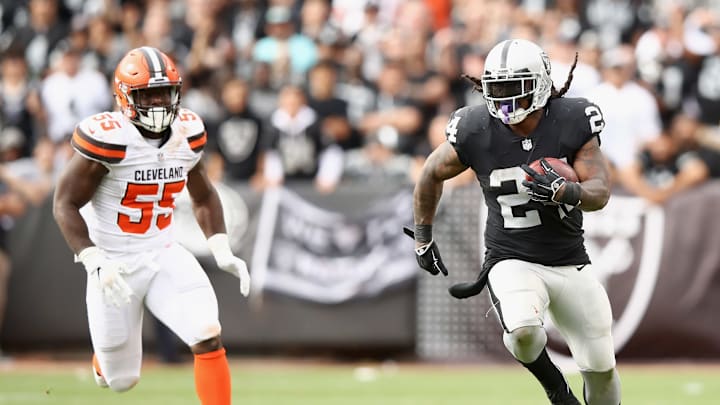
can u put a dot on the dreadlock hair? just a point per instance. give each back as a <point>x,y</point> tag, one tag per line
<point>477,83</point>
<point>554,93</point>
<point>559,93</point>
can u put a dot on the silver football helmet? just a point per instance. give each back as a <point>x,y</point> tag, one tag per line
<point>516,69</point>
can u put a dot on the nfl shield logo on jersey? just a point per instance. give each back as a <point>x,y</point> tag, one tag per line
<point>624,241</point>
<point>527,144</point>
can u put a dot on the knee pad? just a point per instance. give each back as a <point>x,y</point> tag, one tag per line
<point>595,355</point>
<point>123,383</point>
<point>525,343</point>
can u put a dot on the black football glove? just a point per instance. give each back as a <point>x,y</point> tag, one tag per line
<point>544,187</point>
<point>428,256</point>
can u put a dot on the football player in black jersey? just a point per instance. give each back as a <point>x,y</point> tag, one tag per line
<point>535,259</point>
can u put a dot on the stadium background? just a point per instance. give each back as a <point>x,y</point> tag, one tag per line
<point>393,71</point>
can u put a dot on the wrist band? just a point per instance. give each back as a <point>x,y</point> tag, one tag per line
<point>572,193</point>
<point>423,233</point>
<point>219,245</point>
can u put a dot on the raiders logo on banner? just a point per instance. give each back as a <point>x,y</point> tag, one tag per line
<point>624,241</point>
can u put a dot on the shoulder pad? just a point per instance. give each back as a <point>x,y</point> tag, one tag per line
<point>100,137</point>
<point>193,127</point>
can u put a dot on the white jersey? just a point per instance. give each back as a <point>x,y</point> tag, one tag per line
<point>132,209</point>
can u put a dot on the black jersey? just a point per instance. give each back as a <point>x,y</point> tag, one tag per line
<point>517,227</point>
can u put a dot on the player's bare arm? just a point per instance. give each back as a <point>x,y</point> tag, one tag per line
<point>206,202</point>
<point>594,174</point>
<point>442,164</point>
<point>74,189</point>
<point>209,215</point>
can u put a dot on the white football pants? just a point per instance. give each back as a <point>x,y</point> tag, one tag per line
<point>175,288</point>
<point>522,293</point>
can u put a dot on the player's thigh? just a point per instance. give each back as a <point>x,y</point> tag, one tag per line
<point>582,314</point>
<point>182,297</point>
<point>519,294</point>
<point>116,332</point>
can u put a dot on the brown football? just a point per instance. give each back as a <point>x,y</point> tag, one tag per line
<point>562,168</point>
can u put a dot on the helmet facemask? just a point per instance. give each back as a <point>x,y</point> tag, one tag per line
<point>155,107</point>
<point>513,96</point>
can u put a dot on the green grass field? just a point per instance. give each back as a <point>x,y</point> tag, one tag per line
<point>256,383</point>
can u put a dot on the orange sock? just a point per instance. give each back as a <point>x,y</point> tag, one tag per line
<point>96,365</point>
<point>212,378</point>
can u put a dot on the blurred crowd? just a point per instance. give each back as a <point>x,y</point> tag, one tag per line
<point>333,90</point>
<point>357,90</point>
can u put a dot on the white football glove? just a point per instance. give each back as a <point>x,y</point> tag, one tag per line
<point>107,274</point>
<point>227,261</point>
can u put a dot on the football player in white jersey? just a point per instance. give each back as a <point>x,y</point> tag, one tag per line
<point>128,168</point>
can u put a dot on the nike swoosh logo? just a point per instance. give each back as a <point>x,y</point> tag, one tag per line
<point>92,131</point>
<point>580,267</point>
<point>435,261</point>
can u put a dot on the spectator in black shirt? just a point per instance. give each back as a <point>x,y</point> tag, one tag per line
<point>38,37</point>
<point>19,102</point>
<point>235,145</point>
<point>332,111</point>
<point>672,163</point>
<point>297,149</point>
<point>395,121</point>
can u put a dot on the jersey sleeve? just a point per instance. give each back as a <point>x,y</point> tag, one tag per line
<point>457,134</point>
<point>588,122</point>
<point>99,138</point>
<point>194,128</point>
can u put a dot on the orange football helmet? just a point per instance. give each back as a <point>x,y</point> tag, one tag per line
<point>140,78</point>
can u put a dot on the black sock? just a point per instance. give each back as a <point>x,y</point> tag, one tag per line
<point>548,374</point>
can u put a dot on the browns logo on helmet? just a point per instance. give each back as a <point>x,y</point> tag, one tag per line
<point>147,88</point>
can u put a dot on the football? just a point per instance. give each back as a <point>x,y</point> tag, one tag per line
<point>563,169</point>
